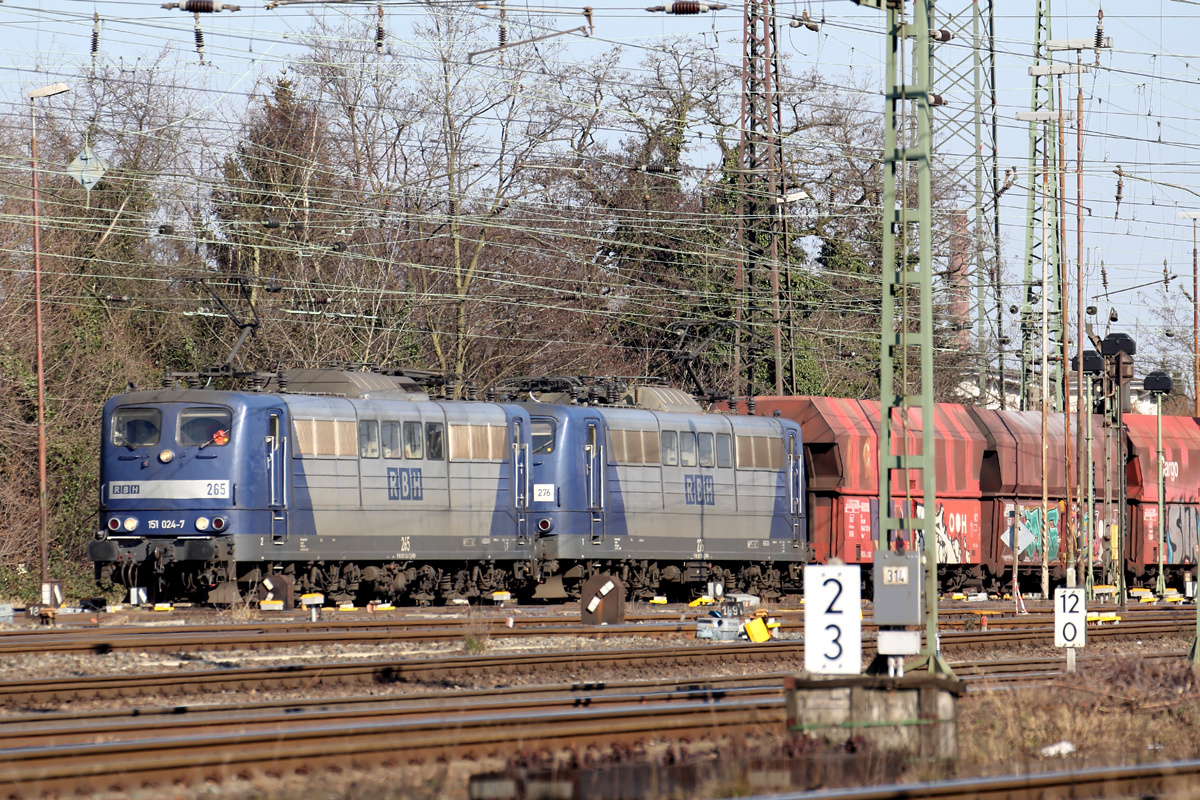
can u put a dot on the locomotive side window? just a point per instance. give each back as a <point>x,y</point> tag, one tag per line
<point>205,426</point>
<point>435,441</point>
<point>687,449</point>
<point>670,449</point>
<point>634,446</point>
<point>759,452</point>
<point>412,439</point>
<point>542,431</point>
<point>704,444</point>
<point>478,442</point>
<point>136,427</point>
<point>368,439</point>
<point>724,450</point>
<point>389,438</point>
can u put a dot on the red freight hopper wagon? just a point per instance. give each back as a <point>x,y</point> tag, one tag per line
<point>841,446</point>
<point>1011,486</point>
<point>1181,495</point>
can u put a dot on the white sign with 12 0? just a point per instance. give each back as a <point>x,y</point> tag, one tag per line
<point>832,620</point>
<point>1070,617</point>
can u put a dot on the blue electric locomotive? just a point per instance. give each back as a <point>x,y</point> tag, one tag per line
<point>359,486</point>
<point>667,498</point>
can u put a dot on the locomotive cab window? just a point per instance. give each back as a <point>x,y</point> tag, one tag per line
<point>368,439</point>
<point>704,445</point>
<point>670,449</point>
<point>389,438</point>
<point>412,439</point>
<point>136,427</point>
<point>205,427</point>
<point>542,431</point>
<point>687,449</point>
<point>724,450</point>
<point>435,441</point>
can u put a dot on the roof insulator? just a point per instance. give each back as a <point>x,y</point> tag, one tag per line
<point>202,6</point>
<point>685,7</point>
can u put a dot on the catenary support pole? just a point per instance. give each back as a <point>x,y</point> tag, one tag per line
<point>1044,544</point>
<point>901,333</point>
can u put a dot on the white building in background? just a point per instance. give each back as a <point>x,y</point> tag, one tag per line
<point>1140,401</point>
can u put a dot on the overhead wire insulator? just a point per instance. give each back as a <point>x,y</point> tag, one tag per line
<point>941,36</point>
<point>1120,190</point>
<point>202,6</point>
<point>805,21</point>
<point>95,35</point>
<point>656,169</point>
<point>199,38</point>
<point>379,33</point>
<point>686,7</point>
<point>502,39</point>
<point>1099,34</point>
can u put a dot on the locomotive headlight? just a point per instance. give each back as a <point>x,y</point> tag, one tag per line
<point>201,523</point>
<point>166,456</point>
<point>131,524</point>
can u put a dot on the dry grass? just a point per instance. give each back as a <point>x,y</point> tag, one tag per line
<point>477,633</point>
<point>1125,710</point>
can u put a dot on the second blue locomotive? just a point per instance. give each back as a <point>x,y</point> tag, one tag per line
<point>360,486</point>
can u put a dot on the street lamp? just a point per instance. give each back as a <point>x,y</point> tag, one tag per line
<point>1093,367</point>
<point>1158,384</point>
<point>43,512</point>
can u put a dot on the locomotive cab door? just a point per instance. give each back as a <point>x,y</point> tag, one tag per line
<point>277,463</point>
<point>795,486</point>
<point>595,470</point>
<point>520,479</point>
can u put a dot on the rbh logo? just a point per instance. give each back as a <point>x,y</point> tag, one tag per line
<point>404,483</point>
<point>124,488</point>
<point>698,490</point>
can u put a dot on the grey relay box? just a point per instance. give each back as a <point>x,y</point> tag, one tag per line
<point>898,581</point>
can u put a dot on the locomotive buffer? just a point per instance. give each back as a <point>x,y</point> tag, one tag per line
<point>899,578</point>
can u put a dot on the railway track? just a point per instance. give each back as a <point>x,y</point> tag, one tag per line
<point>1163,779</point>
<point>293,633</point>
<point>125,750</point>
<point>445,670</point>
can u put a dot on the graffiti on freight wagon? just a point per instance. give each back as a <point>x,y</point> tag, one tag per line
<point>1031,531</point>
<point>956,528</point>
<point>1180,534</point>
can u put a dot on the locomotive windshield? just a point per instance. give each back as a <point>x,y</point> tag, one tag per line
<point>205,426</point>
<point>136,427</point>
<point>542,431</point>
